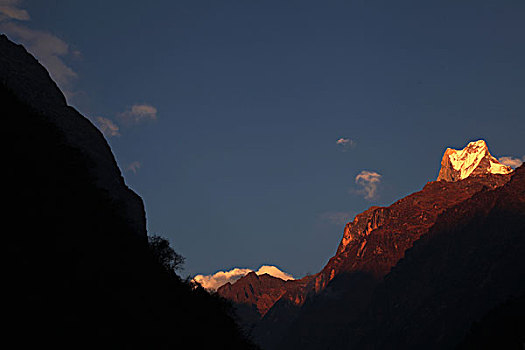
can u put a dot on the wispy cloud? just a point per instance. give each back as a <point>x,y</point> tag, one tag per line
<point>336,217</point>
<point>107,126</point>
<point>134,166</point>
<point>138,113</point>
<point>513,162</point>
<point>345,143</point>
<point>134,115</point>
<point>220,278</point>
<point>368,181</point>
<point>9,9</point>
<point>46,47</point>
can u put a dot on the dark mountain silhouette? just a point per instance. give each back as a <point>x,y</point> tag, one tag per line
<point>501,328</point>
<point>79,272</point>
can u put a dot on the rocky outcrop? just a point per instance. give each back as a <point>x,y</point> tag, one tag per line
<point>473,160</point>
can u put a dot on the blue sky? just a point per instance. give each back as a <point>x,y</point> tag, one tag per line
<point>229,112</point>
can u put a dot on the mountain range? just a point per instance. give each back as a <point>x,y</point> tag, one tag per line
<point>441,268</point>
<point>365,286</point>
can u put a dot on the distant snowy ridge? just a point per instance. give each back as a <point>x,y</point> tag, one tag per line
<point>473,160</point>
<point>220,278</point>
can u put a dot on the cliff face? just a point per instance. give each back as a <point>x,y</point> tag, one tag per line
<point>371,246</point>
<point>79,273</point>
<point>376,239</point>
<point>470,262</point>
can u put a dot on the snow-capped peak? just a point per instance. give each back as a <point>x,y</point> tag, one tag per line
<point>474,159</point>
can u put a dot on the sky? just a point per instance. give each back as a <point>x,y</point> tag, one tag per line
<point>253,130</point>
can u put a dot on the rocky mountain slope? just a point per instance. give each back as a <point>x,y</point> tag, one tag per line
<point>470,262</point>
<point>467,264</point>
<point>261,291</point>
<point>255,295</point>
<point>371,246</point>
<point>79,272</point>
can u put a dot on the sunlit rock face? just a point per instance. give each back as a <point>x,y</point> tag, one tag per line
<point>473,160</point>
<point>469,264</point>
<point>378,238</point>
<point>261,291</point>
<point>372,244</point>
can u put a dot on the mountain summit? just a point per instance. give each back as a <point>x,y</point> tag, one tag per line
<point>473,160</point>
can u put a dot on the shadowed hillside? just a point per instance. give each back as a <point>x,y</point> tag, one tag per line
<point>469,263</point>
<point>79,271</point>
<point>440,294</point>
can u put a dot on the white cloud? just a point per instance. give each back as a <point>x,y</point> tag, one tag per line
<point>138,113</point>
<point>46,47</point>
<point>9,10</point>
<point>220,278</point>
<point>134,166</point>
<point>337,217</point>
<point>368,181</point>
<point>511,161</point>
<point>345,143</point>
<point>107,126</point>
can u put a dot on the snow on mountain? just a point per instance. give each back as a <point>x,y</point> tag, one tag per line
<point>220,278</point>
<point>475,159</point>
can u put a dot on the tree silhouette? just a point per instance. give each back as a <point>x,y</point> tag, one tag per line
<point>164,253</point>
